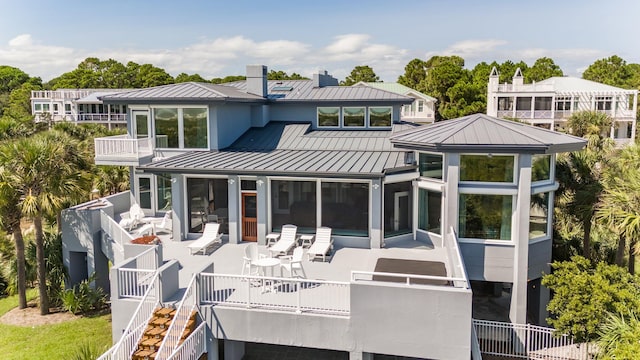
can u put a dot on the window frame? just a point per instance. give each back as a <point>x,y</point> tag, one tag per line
<point>379,127</point>
<point>180,108</point>
<point>364,117</point>
<point>490,183</point>
<point>494,192</point>
<point>328,126</point>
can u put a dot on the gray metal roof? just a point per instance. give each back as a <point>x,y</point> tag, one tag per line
<point>303,90</point>
<point>291,149</point>
<point>483,133</point>
<point>187,92</point>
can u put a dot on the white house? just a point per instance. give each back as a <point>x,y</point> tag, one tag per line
<point>423,108</point>
<point>549,103</point>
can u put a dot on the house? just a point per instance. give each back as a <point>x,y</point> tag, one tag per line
<point>416,213</point>
<point>423,108</point>
<point>549,103</point>
<point>77,105</point>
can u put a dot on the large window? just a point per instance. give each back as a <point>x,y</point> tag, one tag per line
<point>429,210</point>
<point>294,202</point>
<point>430,165</point>
<point>603,102</point>
<point>379,116</point>
<point>487,168</point>
<point>328,116</point>
<point>505,103</point>
<point>181,128</point>
<point>353,116</point>
<point>543,103</point>
<point>538,215</point>
<point>345,208</point>
<point>163,183</point>
<point>485,216</point>
<point>397,208</point>
<point>563,103</point>
<point>207,201</point>
<point>540,168</point>
<point>523,103</point>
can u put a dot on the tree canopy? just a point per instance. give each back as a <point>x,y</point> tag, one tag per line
<point>613,71</point>
<point>360,73</point>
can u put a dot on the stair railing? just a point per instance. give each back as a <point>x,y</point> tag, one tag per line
<point>193,346</point>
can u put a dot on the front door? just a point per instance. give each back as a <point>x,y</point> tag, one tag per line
<point>249,217</point>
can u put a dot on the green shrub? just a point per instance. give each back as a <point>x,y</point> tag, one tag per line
<point>86,351</point>
<point>82,298</point>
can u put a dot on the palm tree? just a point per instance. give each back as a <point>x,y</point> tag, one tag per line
<point>44,171</point>
<point>619,337</point>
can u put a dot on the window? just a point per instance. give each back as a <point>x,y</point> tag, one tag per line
<point>353,116</point>
<point>420,106</point>
<point>505,103</point>
<point>37,107</point>
<point>523,103</point>
<point>163,182</point>
<point>430,165</point>
<point>293,202</point>
<point>328,116</point>
<point>538,215</point>
<point>429,210</point>
<point>55,108</point>
<point>67,108</point>
<point>563,103</point>
<point>543,103</point>
<point>485,216</point>
<point>379,116</point>
<point>487,168</point>
<point>144,192</point>
<point>180,128</point>
<point>345,208</point>
<point>603,102</point>
<point>207,200</point>
<point>398,206</point>
<point>540,168</point>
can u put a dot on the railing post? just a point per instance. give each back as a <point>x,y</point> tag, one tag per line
<point>298,299</point>
<point>249,291</point>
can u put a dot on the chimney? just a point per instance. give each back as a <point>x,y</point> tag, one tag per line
<point>323,79</point>
<point>257,80</point>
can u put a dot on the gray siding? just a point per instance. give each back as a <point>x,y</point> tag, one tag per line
<point>539,258</point>
<point>231,122</point>
<point>488,262</point>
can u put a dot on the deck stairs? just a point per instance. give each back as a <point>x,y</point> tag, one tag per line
<point>157,329</point>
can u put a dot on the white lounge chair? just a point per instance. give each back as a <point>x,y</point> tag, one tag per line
<point>155,225</point>
<point>249,259</point>
<point>322,245</point>
<point>210,236</point>
<point>293,263</point>
<point>131,218</point>
<point>287,241</point>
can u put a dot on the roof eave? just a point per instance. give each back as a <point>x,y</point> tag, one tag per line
<point>486,148</point>
<point>178,170</point>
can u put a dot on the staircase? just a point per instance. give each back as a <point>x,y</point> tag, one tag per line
<point>156,331</point>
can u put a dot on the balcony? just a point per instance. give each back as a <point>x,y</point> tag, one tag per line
<point>123,150</point>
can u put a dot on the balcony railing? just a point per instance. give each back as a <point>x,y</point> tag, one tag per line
<point>122,148</point>
<point>100,118</point>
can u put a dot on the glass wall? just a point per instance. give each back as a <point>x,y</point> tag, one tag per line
<point>345,208</point>
<point>398,206</point>
<point>195,128</point>
<point>328,116</point>
<point>429,210</point>
<point>379,116</point>
<point>207,201</point>
<point>294,202</point>
<point>166,124</point>
<point>430,165</point>
<point>487,168</point>
<point>538,215</point>
<point>540,168</point>
<point>485,216</point>
<point>163,183</point>
<point>353,116</point>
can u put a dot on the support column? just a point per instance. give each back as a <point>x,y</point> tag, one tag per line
<point>545,295</point>
<point>212,347</point>
<point>518,308</point>
<point>359,355</point>
<point>377,237</point>
<point>234,206</point>
<point>233,350</point>
<point>450,200</point>
<point>179,219</point>
<point>263,210</point>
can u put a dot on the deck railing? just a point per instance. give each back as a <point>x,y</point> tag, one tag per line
<point>409,279</point>
<point>101,117</point>
<point>123,145</point>
<point>193,346</point>
<point>135,274</point>
<point>275,293</point>
<point>527,341</point>
<point>114,231</point>
<point>456,263</point>
<point>179,323</point>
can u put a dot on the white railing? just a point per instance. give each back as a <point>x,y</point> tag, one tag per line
<point>409,279</point>
<point>180,321</point>
<point>123,145</point>
<point>133,283</point>
<point>525,87</point>
<point>101,117</point>
<point>476,353</point>
<point>523,114</point>
<point>193,346</point>
<point>275,293</point>
<point>110,227</point>
<point>505,113</point>
<point>456,263</point>
<point>542,114</point>
<point>527,341</point>
<point>125,347</point>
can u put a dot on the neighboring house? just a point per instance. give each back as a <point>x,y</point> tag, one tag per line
<point>423,108</point>
<point>549,103</point>
<point>77,105</point>
<point>416,212</point>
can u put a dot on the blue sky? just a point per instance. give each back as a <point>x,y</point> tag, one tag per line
<point>218,38</point>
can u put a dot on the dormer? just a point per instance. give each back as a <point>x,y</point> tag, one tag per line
<point>518,79</point>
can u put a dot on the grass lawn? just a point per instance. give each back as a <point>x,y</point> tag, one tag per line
<point>55,341</point>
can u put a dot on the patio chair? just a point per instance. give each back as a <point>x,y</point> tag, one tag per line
<point>210,236</point>
<point>131,218</point>
<point>287,241</point>
<point>155,225</point>
<point>293,263</point>
<point>249,259</point>
<point>322,245</point>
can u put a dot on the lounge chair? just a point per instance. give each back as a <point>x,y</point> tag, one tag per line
<point>131,218</point>
<point>322,245</point>
<point>249,259</point>
<point>287,241</point>
<point>156,225</point>
<point>293,263</point>
<point>210,236</point>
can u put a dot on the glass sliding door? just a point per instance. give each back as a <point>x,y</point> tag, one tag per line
<point>345,208</point>
<point>145,193</point>
<point>293,202</point>
<point>397,208</point>
<point>207,201</point>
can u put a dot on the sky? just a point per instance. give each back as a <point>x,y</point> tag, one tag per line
<point>219,38</point>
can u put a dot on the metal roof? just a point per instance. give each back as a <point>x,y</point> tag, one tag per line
<point>291,149</point>
<point>94,98</point>
<point>396,88</point>
<point>483,133</point>
<point>568,84</point>
<point>191,92</point>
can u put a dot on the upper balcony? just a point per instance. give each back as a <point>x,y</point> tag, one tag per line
<point>122,150</point>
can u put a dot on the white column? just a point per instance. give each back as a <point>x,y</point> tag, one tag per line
<point>234,210</point>
<point>518,308</point>
<point>450,193</point>
<point>376,241</point>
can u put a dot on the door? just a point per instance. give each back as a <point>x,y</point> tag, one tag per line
<point>141,123</point>
<point>145,194</point>
<point>249,217</point>
<point>401,211</point>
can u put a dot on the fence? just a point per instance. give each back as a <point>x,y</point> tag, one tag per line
<point>527,341</point>
<point>295,295</point>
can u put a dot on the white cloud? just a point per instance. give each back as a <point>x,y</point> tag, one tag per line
<point>470,48</point>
